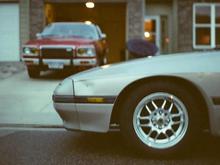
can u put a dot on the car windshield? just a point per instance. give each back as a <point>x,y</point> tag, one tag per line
<point>70,30</point>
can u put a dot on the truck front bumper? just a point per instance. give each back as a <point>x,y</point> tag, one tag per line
<point>60,63</point>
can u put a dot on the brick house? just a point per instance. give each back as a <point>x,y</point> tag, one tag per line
<point>173,25</point>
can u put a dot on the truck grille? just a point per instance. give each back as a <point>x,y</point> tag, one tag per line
<point>57,53</point>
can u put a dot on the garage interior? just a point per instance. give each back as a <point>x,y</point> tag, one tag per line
<point>111,18</point>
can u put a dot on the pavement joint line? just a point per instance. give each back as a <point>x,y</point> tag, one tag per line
<point>45,106</point>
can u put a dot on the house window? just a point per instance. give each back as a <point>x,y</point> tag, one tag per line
<point>206,26</point>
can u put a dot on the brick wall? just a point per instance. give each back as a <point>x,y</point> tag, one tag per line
<point>135,18</point>
<point>185,25</point>
<point>24,21</point>
<point>36,17</point>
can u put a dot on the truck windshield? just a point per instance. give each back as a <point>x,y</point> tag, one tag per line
<point>70,31</point>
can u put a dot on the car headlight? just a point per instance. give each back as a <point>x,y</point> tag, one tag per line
<point>86,51</point>
<point>31,51</point>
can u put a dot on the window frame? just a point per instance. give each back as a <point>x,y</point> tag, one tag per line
<point>212,25</point>
<point>217,25</point>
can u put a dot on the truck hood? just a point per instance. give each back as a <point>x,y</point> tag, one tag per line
<point>157,65</point>
<point>60,41</point>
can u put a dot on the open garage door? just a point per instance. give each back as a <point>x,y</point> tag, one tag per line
<point>9,32</point>
<point>109,16</point>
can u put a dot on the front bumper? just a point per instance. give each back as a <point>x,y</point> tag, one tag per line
<point>60,63</point>
<point>82,112</point>
<point>85,117</point>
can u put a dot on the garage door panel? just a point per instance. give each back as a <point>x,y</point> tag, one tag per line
<point>9,32</point>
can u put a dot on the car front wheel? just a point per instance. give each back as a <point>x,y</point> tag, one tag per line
<point>160,118</point>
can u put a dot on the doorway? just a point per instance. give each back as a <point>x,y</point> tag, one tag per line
<point>156,32</point>
<point>152,30</point>
<point>164,14</point>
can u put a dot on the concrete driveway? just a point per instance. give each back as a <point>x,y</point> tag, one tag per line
<point>25,101</point>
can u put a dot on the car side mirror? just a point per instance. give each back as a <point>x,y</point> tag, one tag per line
<point>38,35</point>
<point>103,36</point>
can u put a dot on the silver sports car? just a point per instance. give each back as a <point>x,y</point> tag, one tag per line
<point>160,104</point>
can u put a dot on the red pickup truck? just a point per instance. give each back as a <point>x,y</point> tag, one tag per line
<point>65,45</point>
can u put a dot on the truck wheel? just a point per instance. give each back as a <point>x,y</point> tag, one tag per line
<point>33,72</point>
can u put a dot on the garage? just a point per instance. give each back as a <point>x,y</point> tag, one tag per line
<point>111,17</point>
<point>9,32</point>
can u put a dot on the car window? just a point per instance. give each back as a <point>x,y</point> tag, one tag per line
<point>70,30</point>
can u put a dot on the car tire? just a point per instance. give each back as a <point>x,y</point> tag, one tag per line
<point>160,118</point>
<point>33,72</point>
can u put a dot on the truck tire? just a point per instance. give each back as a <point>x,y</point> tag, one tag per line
<point>33,72</point>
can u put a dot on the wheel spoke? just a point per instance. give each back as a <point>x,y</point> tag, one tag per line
<point>166,135</point>
<point>174,133</point>
<point>158,134</point>
<point>149,133</point>
<point>164,103</point>
<point>170,108</point>
<point>144,117</point>
<point>155,106</point>
<point>144,125</point>
<point>176,115</point>
<point>148,109</point>
<point>177,122</point>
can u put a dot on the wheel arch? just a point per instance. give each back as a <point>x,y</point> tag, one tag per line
<point>190,86</point>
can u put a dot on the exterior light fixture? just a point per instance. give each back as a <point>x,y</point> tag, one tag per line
<point>88,22</point>
<point>90,4</point>
<point>147,34</point>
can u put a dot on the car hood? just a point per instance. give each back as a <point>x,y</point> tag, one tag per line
<point>60,41</point>
<point>163,64</point>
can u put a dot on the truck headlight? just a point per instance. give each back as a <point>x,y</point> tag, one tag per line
<point>86,51</point>
<point>33,51</point>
